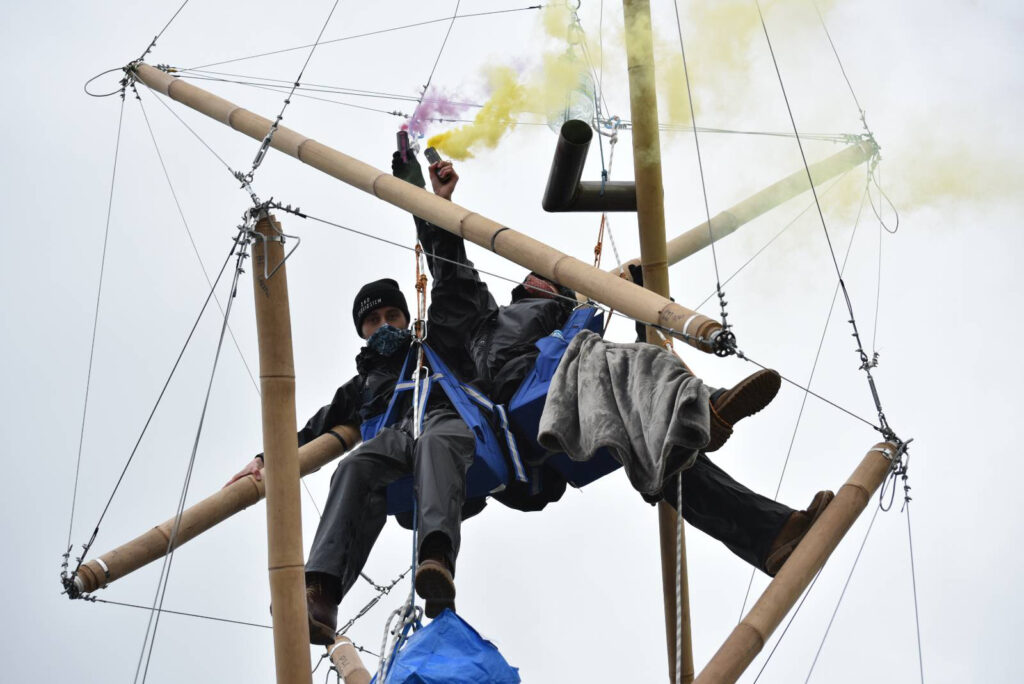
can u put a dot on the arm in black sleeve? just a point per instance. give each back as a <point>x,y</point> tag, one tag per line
<point>459,299</point>
<point>343,410</point>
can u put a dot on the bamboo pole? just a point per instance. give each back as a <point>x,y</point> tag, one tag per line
<point>604,287</point>
<point>347,662</point>
<point>239,495</point>
<point>727,222</point>
<point>750,636</point>
<point>285,559</point>
<point>650,202</point>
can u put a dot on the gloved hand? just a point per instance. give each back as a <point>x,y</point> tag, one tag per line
<point>408,171</point>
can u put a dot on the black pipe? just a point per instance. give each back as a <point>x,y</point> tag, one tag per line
<point>565,192</point>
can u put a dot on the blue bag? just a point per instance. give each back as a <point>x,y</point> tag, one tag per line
<point>490,470</point>
<point>449,651</point>
<point>527,404</point>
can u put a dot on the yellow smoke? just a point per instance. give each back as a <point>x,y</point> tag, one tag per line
<point>543,91</point>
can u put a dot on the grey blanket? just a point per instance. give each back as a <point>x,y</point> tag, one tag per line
<point>636,399</point>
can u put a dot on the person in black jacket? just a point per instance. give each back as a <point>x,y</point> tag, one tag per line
<point>501,345</point>
<point>355,511</point>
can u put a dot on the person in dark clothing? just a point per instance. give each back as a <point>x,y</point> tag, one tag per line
<point>501,343</point>
<point>355,511</point>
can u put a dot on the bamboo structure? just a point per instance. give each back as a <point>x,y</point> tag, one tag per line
<point>689,326</point>
<point>650,208</point>
<point>727,222</point>
<point>347,662</point>
<point>750,636</point>
<point>196,519</point>
<point>285,558</point>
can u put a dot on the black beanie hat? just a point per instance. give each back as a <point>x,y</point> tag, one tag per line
<point>383,292</point>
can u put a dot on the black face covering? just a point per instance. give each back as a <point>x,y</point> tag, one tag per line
<point>387,340</point>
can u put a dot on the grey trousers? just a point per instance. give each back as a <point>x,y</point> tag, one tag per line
<point>355,511</point>
<point>745,521</point>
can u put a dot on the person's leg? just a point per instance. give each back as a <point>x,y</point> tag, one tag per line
<point>713,502</point>
<point>355,512</point>
<point>442,455</point>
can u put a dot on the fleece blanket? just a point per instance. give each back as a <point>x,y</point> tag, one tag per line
<point>638,400</point>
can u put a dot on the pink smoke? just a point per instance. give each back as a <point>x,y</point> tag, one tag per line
<point>435,105</point>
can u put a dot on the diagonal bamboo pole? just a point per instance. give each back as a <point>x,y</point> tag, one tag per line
<point>750,636</point>
<point>689,326</point>
<point>650,209</point>
<point>347,662</point>
<point>196,519</point>
<point>727,222</point>
<point>285,557</point>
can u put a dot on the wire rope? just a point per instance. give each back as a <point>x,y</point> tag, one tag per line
<point>807,391</point>
<point>369,33</point>
<point>152,43</point>
<point>191,239</point>
<point>700,168</point>
<point>790,622</point>
<point>842,594</point>
<point>165,571</point>
<point>95,325</point>
<point>441,51</point>
<point>913,578</point>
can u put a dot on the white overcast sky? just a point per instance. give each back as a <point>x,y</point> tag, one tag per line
<point>572,594</point>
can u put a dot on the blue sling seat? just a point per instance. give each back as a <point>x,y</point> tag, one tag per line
<point>527,403</point>
<point>489,471</point>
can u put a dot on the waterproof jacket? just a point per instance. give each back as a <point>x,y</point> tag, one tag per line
<point>457,295</point>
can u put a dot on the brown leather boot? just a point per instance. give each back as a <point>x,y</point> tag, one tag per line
<point>322,609</point>
<point>793,531</point>
<point>747,397</point>
<point>436,586</point>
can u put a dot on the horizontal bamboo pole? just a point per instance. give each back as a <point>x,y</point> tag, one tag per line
<point>347,662</point>
<point>750,636</point>
<point>727,222</point>
<point>603,287</point>
<point>196,519</point>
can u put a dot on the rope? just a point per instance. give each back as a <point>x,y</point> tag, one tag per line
<point>842,594</point>
<point>370,33</point>
<point>92,343</point>
<point>839,61</point>
<point>679,578</point>
<point>700,168</point>
<point>165,571</point>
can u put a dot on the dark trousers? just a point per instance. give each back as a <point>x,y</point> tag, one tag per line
<point>356,507</point>
<point>746,522</point>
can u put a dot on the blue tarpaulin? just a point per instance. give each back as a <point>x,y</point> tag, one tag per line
<point>449,651</point>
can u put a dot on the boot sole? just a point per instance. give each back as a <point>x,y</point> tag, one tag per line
<point>750,396</point>
<point>434,584</point>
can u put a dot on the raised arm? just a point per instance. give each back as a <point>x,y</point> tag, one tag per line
<point>459,300</point>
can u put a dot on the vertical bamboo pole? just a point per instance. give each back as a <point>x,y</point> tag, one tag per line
<point>750,636</point>
<point>284,514</point>
<point>650,200</point>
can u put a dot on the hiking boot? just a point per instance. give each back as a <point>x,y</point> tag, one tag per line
<point>793,531</point>
<point>322,610</point>
<point>436,586</point>
<point>747,397</point>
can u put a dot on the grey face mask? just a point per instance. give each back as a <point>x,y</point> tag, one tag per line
<point>387,340</point>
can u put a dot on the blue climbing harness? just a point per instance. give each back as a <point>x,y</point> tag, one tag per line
<point>489,471</point>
